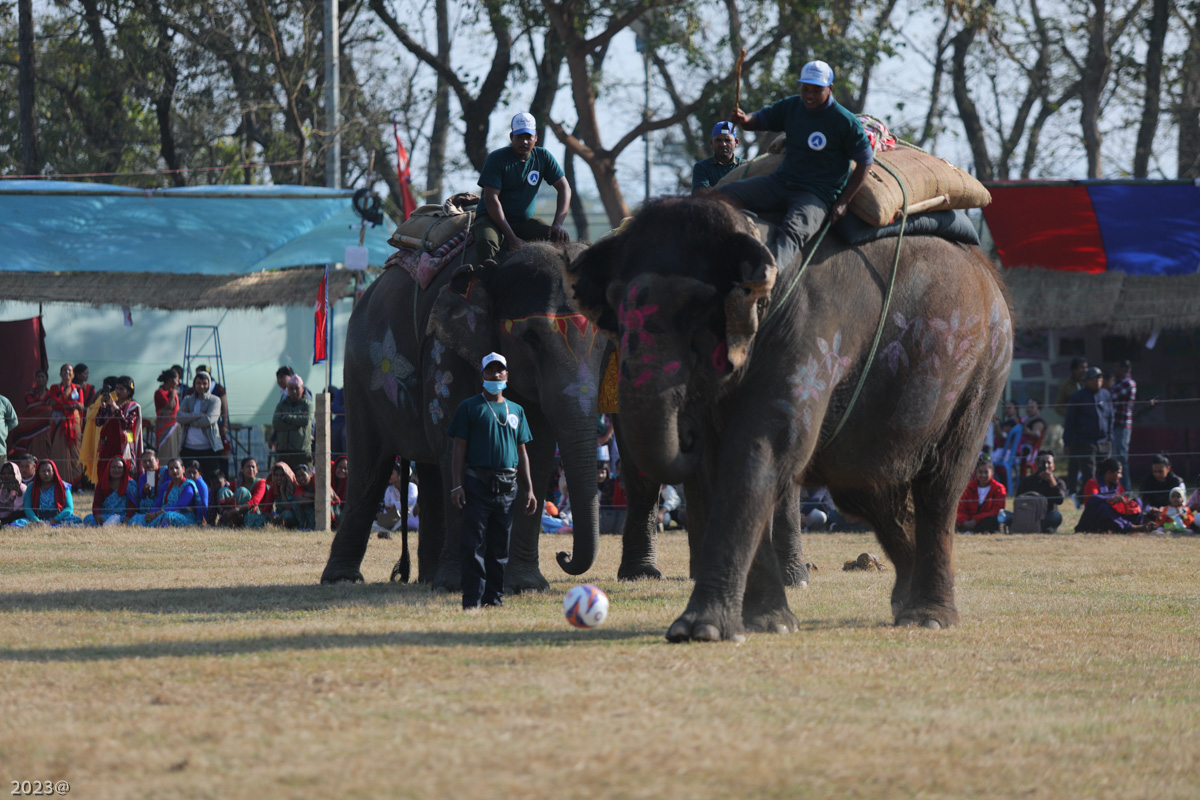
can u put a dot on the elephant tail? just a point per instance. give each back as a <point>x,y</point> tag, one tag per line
<point>403,567</point>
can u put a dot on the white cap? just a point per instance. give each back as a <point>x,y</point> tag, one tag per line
<point>489,358</point>
<point>524,123</point>
<point>817,73</point>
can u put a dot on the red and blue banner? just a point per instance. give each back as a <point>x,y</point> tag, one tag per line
<point>1136,227</point>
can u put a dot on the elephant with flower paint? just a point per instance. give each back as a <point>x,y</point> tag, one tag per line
<point>412,355</point>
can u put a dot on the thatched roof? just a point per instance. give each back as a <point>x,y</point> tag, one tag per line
<point>285,287</point>
<point>1124,305</point>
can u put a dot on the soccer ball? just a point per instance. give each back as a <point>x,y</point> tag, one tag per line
<point>585,606</point>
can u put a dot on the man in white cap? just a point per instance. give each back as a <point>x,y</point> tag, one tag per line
<point>510,179</point>
<point>814,182</point>
<point>489,461</point>
<point>706,173</point>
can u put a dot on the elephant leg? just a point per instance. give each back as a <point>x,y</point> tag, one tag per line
<point>930,601</point>
<point>697,500</point>
<point>639,538</point>
<point>523,572</point>
<point>432,533</point>
<point>370,470</point>
<point>890,512</point>
<point>785,537</point>
<point>765,607</point>
<point>448,577</point>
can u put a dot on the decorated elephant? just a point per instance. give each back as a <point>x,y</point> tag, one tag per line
<point>413,354</point>
<point>736,380</point>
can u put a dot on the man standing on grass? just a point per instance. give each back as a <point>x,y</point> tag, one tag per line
<point>1088,429</point>
<point>488,462</point>
<point>1124,392</point>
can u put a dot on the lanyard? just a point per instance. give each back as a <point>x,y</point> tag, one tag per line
<point>488,403</point>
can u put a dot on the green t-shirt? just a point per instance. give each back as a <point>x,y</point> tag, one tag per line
<point>517,180</point>
<point>708,172</point>
<point>492,431</point>
<point>820,144</point>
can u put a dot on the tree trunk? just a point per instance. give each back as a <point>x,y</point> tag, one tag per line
<point>1189,108</point>
<point>1095,76</point>
<point>967,112</point>
<point>25,88</point>
<point>435,171</point>
<point>578,214</point>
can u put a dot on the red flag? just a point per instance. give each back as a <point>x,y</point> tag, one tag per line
<point>321,334</point>
<point>406,195</point>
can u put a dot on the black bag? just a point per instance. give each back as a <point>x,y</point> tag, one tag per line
<point>1103,448</point>
<point>496,481</point>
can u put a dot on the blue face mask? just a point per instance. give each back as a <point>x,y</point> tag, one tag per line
<point>494,387</point>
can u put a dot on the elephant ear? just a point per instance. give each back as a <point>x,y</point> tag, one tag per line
<point>588,278</point>
<point>461,318</point>
<point>757,271</point>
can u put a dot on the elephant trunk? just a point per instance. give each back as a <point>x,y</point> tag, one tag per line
<point>578,450</point>
<point>665,444</point>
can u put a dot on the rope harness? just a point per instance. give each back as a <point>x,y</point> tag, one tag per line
<point>887,299</point>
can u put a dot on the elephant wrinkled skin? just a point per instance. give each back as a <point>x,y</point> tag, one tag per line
<point>412,355</point>
<point>735,385</point>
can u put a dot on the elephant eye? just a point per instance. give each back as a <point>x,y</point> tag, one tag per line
<point>530,338</point>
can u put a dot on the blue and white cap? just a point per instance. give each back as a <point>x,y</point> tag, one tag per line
<point>723,127</point>
<point>817,73</point>
<point>523,123</point>
<point>489,358</point>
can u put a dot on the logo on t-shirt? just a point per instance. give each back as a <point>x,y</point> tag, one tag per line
<point>817,140</point>
<point>534,177</point>
<point>513,422</point>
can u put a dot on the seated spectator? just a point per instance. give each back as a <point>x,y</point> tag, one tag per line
<point>817,509</point>
<point>1176,517</point>
<point>27,464</point>
<point>112,505</point>
<point>48,499</point>
<point>1194,500</point>
<point>175,504</point>
<point>612,500</point>
<point>145,494</point>
<point>1107,508</point>
<point>248,492</point>
<point>200,499</point>
<point>552,522</point>
<point>337,483</point>
<point>981,508</point>
<point>389,520</point>
<point>671,513</point>
<point>306,499</point>
<point>1155,491</point>
<point>1045,483</point>
<point>12,493</point>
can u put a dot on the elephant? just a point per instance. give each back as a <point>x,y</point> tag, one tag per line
<point>413,354</point>
<point>735,379</point>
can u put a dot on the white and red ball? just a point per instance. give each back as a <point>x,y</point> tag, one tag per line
<point>585,606</point>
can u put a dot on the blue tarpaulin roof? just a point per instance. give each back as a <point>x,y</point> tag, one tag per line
<point>213,230</point>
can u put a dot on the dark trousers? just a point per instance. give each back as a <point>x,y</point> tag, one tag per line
<point>804,212</point>
<point>1081,467</point>
<point>1051,521</point>
<point>489,239</point>
<point>210,461</point>
<point>486,523</point>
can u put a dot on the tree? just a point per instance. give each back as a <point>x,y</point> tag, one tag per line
<point>1188,112</point>
<point>1159,16</point>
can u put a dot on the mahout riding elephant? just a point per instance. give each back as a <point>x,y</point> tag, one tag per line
<point>413,354</point>
<point>735,378</point>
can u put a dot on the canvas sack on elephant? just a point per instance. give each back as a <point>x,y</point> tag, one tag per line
<point>926,177</point>
<point>431,226</point>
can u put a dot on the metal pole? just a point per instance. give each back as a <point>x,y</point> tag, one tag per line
<point>333,152</point>
<point>646,108</point>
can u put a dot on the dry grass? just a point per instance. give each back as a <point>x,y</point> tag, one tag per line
<point>206,663</point>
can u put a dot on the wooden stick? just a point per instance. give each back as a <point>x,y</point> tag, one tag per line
<point>737,91</point>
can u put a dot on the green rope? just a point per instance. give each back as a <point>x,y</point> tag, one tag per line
<point>887,303</point>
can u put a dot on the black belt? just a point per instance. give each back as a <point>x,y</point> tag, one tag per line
<point>497,481</point>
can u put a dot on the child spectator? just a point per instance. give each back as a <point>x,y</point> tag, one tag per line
<point>337,482</point>
<point>1155,490</point>
<point>388,521</point>
<point>12,493</point>
<point>200,504</point>
<point>1176,517</point>
<point>981,508</point>
<point>146,492</point>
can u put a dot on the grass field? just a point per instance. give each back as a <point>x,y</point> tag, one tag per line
<point>208,663</point>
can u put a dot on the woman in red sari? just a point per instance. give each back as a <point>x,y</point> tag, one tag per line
<point>168,434</point>
<point>33,435</point>
<point>120,424</point>
<point>67,401</point>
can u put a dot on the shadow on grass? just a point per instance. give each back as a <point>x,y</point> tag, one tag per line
<point>321,641</point>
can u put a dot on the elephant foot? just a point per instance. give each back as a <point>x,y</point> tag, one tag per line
<point>639,572</point>
<point>697,627</point>
<point>930,616</point>
<point>341,572</point>
<point>778,620</point>
<point>447,581</point>
<point>524,576</point>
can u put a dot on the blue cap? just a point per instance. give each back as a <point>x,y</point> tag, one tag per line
<point>723,127</point>
<point>817,73</point>
<point>523,123</point>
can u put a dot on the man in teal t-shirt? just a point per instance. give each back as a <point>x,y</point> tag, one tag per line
<point>510,179</point>
<point>706,173</point>
<point>814,182</point>
<point>488,462</point>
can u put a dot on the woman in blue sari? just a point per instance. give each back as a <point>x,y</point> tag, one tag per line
<point>112,504</point>
<point>174,507</point>
<point>48,499</point>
